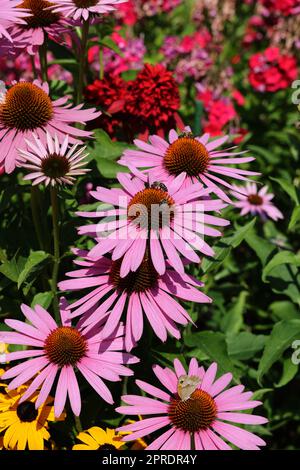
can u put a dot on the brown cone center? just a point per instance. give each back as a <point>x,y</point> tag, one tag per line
<point>65,346</point>
<point>26,107</point>
<point>194,414</point>
<point>40,15</point>
<point>187,155</point>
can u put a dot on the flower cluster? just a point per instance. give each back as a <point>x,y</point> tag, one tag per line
<point>272,71</point>
<point>148,103</point>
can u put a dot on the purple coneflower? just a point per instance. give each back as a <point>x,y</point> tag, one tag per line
<point>25,108</point>
<point>61,351</point>
<point>197,157</point>
<point>201,420</point>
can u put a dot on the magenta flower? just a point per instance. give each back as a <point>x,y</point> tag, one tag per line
<point>83,9</point>
<point>10,14</point>
<point>199,420</point>
<point>27,107</point>
<point>170,219</point>
<point>196,156</point>
<point>143,292</point>
<point>61,351</point>
<point>53,163</point>
<point>41,23</point>
<point>256,202</point>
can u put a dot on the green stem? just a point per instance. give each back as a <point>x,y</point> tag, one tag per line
<point>43,61</point>
<point>56,257</point>
<point>82,59</point>
<point>78,424</point>
<point>36,215</point>
<point>101,63</point>
<point>35,75</point>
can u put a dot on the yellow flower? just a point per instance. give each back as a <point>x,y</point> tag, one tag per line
<point>97,439</point>
<point>23,424</point>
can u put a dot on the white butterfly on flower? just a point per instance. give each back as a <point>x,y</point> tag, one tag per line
<point>187,384</point>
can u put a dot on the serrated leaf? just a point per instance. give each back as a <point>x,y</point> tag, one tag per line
<point>281,338</point>
<point>34,263</point>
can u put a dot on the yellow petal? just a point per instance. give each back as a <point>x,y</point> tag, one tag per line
<point>35,438</point>
<point>98,434</point>
<point>11,431</point>
<point>23,436</point>
<point>81,447</point>
<point>88,440</point>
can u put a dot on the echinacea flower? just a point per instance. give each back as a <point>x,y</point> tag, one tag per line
<point>256,202</point>
<point>143,292</point>
<point>96,438</point>
<point>11,13</point>
<point>197,157</point>
<point>24,424</point>
<point>201,420</point>
<point>61,351</point>
<point>170,219</point>
<point>41,23</point>
<point>83,9</point>
<point>25,108</point>
<point>53,163</point>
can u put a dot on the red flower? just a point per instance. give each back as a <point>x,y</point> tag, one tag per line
<point>284,7</point>
<point>110,94</point>
<point>238,97</point>
<point>271,71</point>
<point>220,114</point>
<point>154,99</point>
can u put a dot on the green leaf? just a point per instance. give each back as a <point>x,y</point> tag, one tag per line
<point>281,338</point>
<point>260,246</point>
<point>288,373</point>
<point>34,263</point>
<point>214,345</point>
<point>43,298</point>
<point>284,310</point>
<point>105,152</point>
<point>233,320</point>
<point>245,345</point>
<point>110,44</point>
<point>239,235</point>
<point>284,257</point>
<point>288,187</point>
<point>224,246</point>
<point>295,218</point>
<point>110,169</point>
<point>12,268</point>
